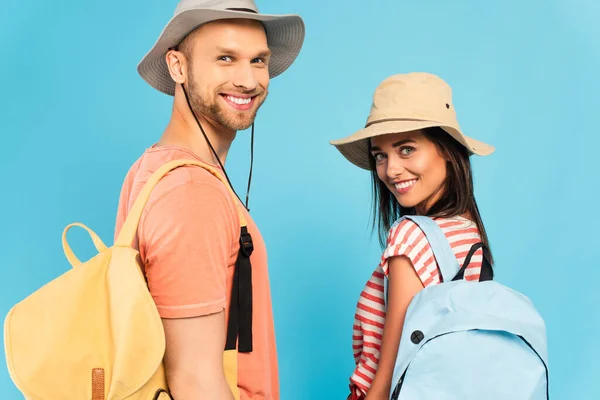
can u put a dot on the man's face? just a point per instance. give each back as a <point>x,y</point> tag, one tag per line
<point>228,74</point>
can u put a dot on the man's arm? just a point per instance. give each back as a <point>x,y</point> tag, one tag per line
<point>188,236</point>
<point>194,357</point>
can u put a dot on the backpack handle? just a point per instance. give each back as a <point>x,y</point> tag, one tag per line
<point>73,260</point>
<point>487,272</point>
<point>446,260</point>
<point>129,228</point>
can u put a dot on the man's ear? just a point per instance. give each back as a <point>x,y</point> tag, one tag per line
<point>177,64</point>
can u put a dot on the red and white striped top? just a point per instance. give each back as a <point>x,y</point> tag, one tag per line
<point>407,239</point>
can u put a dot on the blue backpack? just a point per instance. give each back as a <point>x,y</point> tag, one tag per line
<point>469,340</point>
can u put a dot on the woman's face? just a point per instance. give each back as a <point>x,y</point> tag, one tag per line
<point>411,167</point>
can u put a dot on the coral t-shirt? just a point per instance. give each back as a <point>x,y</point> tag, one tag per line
<point>188,240</point>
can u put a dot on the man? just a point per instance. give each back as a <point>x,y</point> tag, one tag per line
<point>216,57</point>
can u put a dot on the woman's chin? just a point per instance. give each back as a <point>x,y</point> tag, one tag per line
<point>406,203</point>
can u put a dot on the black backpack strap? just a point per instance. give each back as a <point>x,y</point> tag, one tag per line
<point>487,272</point>
<point>240,308</point>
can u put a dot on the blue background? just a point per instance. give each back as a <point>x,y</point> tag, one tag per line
<point>74,115</point>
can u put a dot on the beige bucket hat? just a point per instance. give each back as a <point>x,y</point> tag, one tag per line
<point>403,103</point>
<point>285,36</point>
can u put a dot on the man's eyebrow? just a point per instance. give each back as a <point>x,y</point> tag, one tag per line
<point>265,53</point>
<point>225,50</point>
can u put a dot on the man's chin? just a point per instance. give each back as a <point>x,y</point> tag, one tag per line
<point>242,127</point>
<point>236,119</point>
<point>236,125</point>
<point>241,121</point>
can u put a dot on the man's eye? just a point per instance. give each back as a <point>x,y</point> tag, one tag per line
<point>260,60</point>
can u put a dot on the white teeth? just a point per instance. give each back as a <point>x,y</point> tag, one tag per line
<point>404,185</point>
<point>237,100</point>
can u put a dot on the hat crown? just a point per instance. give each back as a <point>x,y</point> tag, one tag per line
<point>417,95</point>
<point>216,5</point>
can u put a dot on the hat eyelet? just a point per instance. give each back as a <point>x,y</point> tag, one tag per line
<point>447,106</point>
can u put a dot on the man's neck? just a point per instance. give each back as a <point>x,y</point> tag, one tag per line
<point>183,131</point>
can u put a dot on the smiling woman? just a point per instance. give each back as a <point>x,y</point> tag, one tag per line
<point>405,159</point>
<point>432,233</point>
<point>417,168</point>
<point>423,172</point>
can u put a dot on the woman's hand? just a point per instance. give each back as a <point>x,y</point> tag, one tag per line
<point>378,393</point>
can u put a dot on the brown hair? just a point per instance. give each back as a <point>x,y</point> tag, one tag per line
<point>457,192</point>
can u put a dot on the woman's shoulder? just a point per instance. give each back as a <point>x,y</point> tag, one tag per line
<point>407,239</point>
<point>406,232</point>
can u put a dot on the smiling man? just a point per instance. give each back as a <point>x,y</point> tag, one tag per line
<point>216,59</point>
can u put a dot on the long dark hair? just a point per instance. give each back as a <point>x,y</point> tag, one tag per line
<point>457,197</point>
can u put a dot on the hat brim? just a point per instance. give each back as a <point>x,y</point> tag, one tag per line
<point>355,148</point>
<point>285,37</point>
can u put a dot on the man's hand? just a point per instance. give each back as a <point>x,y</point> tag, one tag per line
<point>194,358</point>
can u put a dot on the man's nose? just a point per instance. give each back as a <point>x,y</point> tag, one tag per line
<point>245,78</point>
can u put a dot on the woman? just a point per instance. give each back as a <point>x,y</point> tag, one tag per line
<point>419,161</point>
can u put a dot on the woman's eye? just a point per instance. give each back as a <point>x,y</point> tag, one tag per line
<point>407,151</point>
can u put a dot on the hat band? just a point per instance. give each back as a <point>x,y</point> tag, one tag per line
<point>378,121</point>
<point>242,9</point>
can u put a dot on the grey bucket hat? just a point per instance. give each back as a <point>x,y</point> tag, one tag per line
<point>285,36</point>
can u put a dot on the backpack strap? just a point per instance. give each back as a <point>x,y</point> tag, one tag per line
<point>129,228</point>
<point>446,260</point>
<point>240,310</point>
<point>487,272</point>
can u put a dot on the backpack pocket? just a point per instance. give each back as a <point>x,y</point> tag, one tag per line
<point>474,364</point>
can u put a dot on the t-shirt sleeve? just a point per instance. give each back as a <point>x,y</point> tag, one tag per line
<point>188,236</point>
<point>407,239</point>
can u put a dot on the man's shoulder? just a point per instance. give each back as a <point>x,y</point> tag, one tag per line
<point>186,180</point>
<point>185,192</point>
<point>187,175</point>
<point>193,183</point>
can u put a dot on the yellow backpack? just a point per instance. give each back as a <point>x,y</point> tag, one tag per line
<point>95,333</point>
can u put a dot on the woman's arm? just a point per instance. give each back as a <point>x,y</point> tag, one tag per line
<point>404,284</point>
